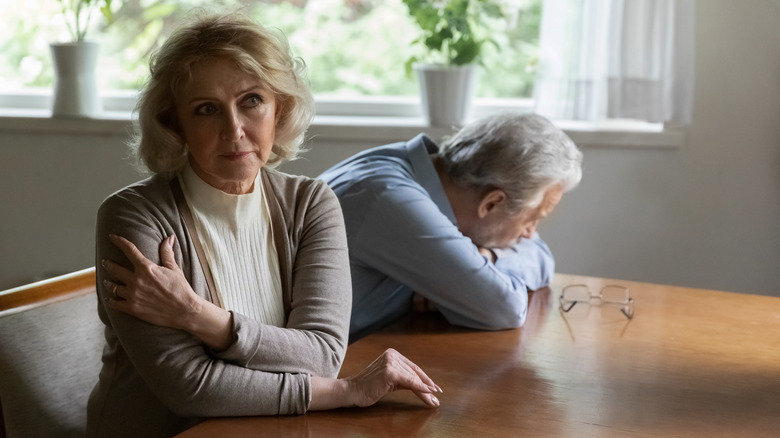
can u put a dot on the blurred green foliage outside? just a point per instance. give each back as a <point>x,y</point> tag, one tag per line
<point>351,47</point>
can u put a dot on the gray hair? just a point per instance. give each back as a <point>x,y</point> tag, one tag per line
<point>259,51</point>
<point>522,154</point>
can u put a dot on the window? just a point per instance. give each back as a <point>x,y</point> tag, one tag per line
<point>353,48</point>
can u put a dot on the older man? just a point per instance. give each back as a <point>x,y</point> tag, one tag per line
<point>454,223</point>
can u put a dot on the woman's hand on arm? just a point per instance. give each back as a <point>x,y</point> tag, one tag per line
<point>161,295</point>
<point>389,372</point>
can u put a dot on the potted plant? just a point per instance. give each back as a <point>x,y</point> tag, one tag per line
<point>75,62</point>
<point>452,36</point>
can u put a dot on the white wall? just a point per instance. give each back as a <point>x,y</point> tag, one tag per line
<point>703,215</point>
<point>50,188</point>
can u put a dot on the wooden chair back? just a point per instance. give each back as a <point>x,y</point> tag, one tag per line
<point>43,292</point>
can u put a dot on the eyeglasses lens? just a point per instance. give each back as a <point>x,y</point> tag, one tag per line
<point>576,293</point>
<point>614,294</point>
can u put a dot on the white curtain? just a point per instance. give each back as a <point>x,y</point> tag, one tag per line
<point>604,59</point>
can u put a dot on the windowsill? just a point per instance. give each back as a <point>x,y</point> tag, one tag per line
<point>40,121</point>
<point>376,129</point>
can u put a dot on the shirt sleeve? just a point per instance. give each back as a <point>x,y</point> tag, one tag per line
<point>531,260</point>
<point>175,365</point>
<point>314,339</point>
<point>405,236</point>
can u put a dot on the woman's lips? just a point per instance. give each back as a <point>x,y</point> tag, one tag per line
<point>236,156</point>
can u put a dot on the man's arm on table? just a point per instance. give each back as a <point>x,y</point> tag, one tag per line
<point>406,237</point>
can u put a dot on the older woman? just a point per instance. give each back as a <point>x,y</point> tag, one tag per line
<point>225,284</point>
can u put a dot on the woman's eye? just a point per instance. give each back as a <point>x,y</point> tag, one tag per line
<point>253,100</point>
<point>206,109</point>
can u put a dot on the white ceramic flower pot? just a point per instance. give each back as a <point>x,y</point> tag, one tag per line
<point>75,86</point>
<point>446,93</point>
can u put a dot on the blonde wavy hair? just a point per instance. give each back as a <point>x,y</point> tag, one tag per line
<point>265,53</point>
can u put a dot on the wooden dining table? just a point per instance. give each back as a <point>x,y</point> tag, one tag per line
<point>689,363</point>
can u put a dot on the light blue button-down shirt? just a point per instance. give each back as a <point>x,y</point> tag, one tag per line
<point>403,238</point>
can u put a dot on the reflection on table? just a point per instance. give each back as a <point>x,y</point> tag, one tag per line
<point>689,363</point>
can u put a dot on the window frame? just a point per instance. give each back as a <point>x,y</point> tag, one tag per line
<point>375,120</point>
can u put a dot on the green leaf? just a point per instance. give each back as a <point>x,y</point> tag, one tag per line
<point>159,11</point>
<point>461,24</point>
<point>492,10</point>
<point>467,51</point>
<point>436,41</point>
<point>106,11</point>
<point>457,7</point>
<point>427,19</point>
<point>409,65</point>
<point>455,29</point>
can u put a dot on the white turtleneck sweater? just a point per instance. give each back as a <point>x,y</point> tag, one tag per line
<point>235,232</point>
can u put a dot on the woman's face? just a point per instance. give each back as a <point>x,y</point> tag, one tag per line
<point>228,119</point>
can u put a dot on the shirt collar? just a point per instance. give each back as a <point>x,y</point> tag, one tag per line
<point>420,148</point>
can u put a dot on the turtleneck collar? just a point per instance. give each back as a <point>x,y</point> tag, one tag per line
<point>234,210</point>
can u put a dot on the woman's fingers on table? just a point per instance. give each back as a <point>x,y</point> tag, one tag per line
<point>390,372</point>
<point>412,377</point>
<point>421,374</point>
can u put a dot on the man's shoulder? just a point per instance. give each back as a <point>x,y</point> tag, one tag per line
<point>378,183</point>
<point>371,173</point>
<point>383,198</point>
<point>382,178</point>
<point>379,159</point>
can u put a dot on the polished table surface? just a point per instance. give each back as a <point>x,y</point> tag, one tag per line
<point>691,363</point>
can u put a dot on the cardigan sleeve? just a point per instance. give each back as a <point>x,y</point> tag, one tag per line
<point>174,365</point>
<point>314,339</point>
